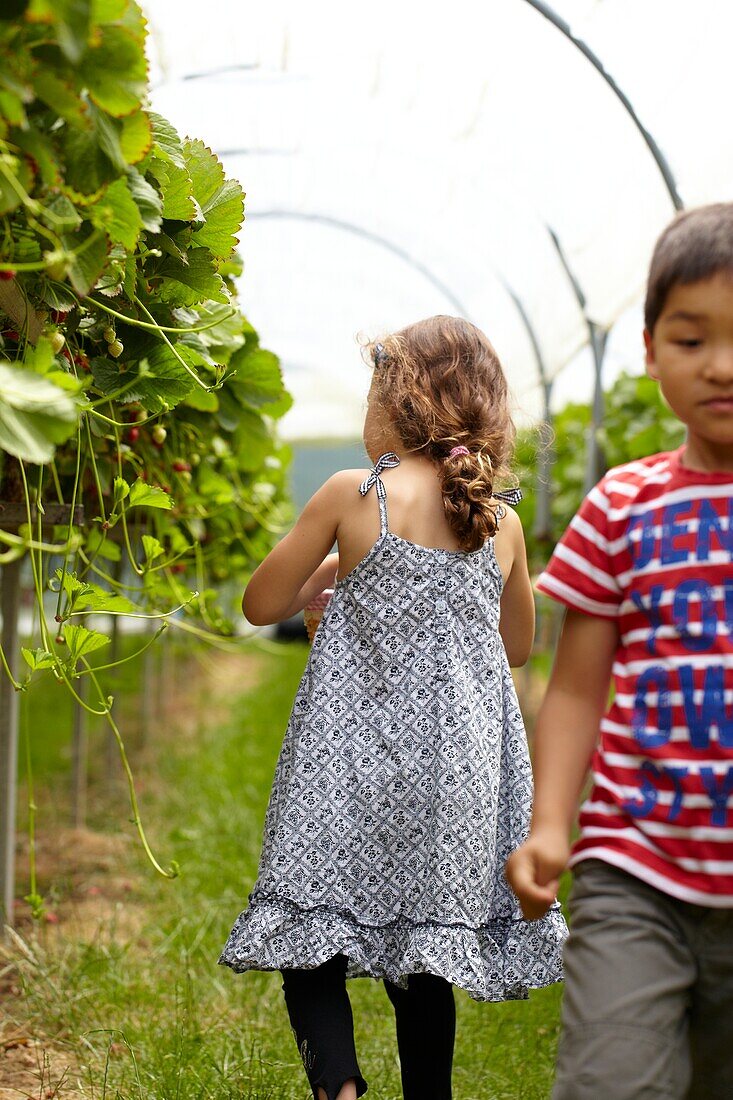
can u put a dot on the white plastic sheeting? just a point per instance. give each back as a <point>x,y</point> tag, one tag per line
<point>402,159</point>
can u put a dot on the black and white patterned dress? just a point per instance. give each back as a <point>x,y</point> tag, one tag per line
<point>402,787</point>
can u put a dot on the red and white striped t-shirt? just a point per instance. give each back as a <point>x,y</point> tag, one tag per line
<point>651,547</point>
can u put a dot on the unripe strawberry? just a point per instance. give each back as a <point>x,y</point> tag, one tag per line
<point>186,476</point>
<point>116,349</point>
<point>57,341</point>
<point>57,263</point>
<point>159,433</point>
<point>109,334</point>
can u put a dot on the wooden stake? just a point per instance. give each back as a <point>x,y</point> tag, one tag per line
<point>10,602</point>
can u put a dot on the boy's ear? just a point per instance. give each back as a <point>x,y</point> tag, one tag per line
<point>651,362</point>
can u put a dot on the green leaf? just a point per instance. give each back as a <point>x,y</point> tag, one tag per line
<point>108,11</point>
<point>152,548</point>
<point>221,200</point>
<point>86,267</point>
<point>136,136</point>
<point>167,144</point>
<point>87,167</point>
<point>118,215</point>
<point>72,25</point>
<point>35,414</point>
<point>99,599</point>
<point>215,486</point>
<point>147,199</point>
<point>176,189</point>
<point>162,381</point>
<point>64,217</point>
<point>202,400</point>
<point>231,332</point>
<point>252,440</point>
<point>82,641</point>
<point>143,495</point>
<point>98,545</point>
<point>40,148</point>
<point>56,295</point>
<point>115,71</point>
<point>120,491</point>
<point>188,284</point>
<point>61,97</point>
<point>71,585</point>
<point>12,109</point>
<point>39,358</point>
<point>259,380</point>
<point>38,658</point>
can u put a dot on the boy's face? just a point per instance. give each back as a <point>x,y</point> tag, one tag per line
<point>690,353</point>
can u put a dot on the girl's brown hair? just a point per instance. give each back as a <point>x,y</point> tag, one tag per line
<point>441,384</point>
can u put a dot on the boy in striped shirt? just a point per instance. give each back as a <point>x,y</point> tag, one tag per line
<point>645,572</point>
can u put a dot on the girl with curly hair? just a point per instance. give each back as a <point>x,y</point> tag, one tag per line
<point>404,780</point>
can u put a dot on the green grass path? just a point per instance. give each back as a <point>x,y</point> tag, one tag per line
<point>147,982</point>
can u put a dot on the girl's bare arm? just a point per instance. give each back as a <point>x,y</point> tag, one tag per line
<point>300,566</point>
<point>565,737</point>
<point>516,622</point>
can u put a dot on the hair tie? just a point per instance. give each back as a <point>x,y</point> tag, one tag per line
<point>459,451</point>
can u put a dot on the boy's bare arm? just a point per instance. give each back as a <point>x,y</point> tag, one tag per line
<point>565,737</point>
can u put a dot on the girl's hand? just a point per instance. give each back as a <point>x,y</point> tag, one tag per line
<point>533,872</point>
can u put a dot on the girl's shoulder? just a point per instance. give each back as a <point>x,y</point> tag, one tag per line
<point>345,483</point>
<point>339,493</point>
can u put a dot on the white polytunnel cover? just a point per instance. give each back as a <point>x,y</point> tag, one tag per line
<point>404,159</point>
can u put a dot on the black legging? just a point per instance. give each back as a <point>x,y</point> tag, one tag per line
<point>320,1015</point>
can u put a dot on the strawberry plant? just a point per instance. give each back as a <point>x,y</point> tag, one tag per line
<point>131,385</point>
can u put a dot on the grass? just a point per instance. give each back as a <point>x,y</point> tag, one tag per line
<point>129,996</point>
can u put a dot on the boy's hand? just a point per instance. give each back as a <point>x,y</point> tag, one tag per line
<point>533,872</point>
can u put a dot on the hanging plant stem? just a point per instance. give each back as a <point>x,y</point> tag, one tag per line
<point>172,871</point>
<point>152,325</point>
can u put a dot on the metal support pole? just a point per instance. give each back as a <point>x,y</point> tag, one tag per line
<point>111,750</point>
<point>595,466</point>
<point>79,745</point>
<point>665,171</point>
<point>10,603</point>
<point>545,461</point>
<point>147,688</point>
<point>597,337</point>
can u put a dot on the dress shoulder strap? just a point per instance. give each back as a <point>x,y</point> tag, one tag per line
<point>385,462</point>
<point>509,496</point>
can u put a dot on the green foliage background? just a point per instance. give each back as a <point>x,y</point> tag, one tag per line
<point>637,422</point>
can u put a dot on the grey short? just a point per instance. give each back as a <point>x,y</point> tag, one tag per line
<point>648,1003</point>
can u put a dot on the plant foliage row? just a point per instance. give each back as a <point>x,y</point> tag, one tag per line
<point>135,399</point>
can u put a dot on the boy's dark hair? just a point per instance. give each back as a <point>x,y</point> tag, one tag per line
<point>697,245</point>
